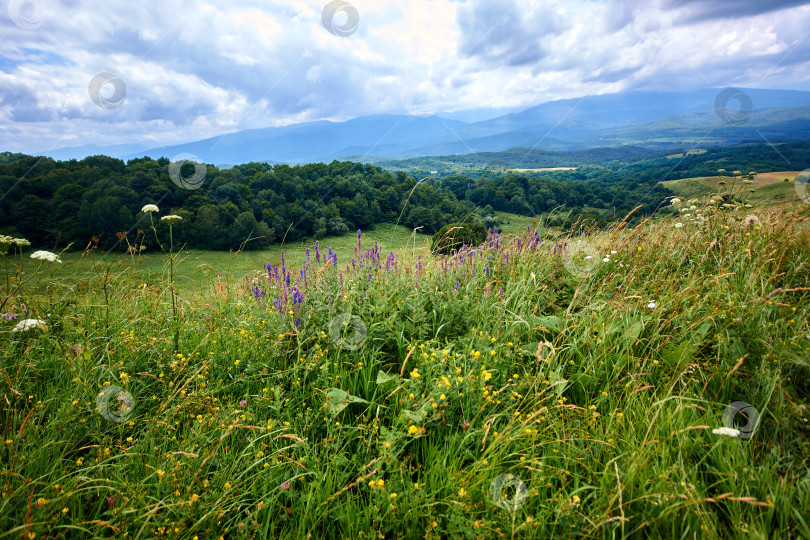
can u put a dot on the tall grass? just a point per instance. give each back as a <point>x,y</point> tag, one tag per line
<point>597,391</point>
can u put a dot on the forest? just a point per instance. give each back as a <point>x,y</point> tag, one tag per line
<point>56,203</point>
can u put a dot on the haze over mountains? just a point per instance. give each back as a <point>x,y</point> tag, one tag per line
<point>645,119</point>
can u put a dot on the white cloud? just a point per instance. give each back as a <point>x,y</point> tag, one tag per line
<point>197,69</point>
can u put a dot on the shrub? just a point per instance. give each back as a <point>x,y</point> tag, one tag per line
<point>451,237</point>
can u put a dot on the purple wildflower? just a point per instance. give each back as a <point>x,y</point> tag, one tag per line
<point>243,403</point>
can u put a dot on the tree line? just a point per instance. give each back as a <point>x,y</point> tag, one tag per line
<point>56,203</point>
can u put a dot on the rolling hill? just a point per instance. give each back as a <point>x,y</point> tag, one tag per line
<point>643,119</point>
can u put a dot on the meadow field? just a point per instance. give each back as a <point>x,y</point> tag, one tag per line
<point>647,381</point>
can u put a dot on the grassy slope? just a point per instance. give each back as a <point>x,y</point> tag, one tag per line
<point>609,426</point>
<point>770,187</point>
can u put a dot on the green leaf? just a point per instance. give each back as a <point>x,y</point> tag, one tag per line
<point>558,383</point>
<point>383,377</point>
<point>337,400</point>
<point>550,323</point>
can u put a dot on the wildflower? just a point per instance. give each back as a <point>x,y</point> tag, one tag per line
<point>22,242</point>
<point>606,259</point>
<point>731,432</point>
<point>651,305</point>
<point>413,430</point>
<point>171,219</point>
<point>462,492</point>
<point>150,208</point>
<point>415,373</point>
<point>111,500</point>
<point>285,486</point>
<point>676,201</point>
<point>27,324</point>
<point>227,485</point>
<point>243,403</point>
<point>380,483</point>
<point>575,499</point>
<point>678,225</point>
<point>750,221</point>
<point>45,256</point>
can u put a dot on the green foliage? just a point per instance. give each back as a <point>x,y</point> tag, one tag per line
<point>599,407</point>
<point>452,237</point>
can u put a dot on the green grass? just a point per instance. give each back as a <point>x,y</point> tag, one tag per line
<point>769,187</point>
<point>596,385</point>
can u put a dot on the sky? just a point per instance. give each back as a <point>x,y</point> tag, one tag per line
<point>82,72</point>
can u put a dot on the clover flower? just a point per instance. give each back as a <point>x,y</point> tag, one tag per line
<point>45,256</point>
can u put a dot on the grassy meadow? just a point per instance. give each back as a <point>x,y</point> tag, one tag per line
<point>642,382</point>
<point>770,187</point>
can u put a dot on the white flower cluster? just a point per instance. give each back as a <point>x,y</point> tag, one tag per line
<point>171,219</point>
<point>729,432</point>
<point>28,324</point>
<point>7,241</point>
<point>150,208</point>
<point>46,256</point>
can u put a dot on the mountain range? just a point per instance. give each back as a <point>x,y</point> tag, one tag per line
<point>642,119</point>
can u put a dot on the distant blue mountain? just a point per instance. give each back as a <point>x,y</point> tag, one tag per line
<point>638,118</point>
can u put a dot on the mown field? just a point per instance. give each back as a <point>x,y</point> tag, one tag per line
<point>643,382</point>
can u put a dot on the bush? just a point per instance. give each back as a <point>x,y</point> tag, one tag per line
<point>451,237</point>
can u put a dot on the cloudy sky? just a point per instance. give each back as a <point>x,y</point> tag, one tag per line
<point>75,72</point>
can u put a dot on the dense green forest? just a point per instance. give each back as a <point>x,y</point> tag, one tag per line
<point>55,203</point>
